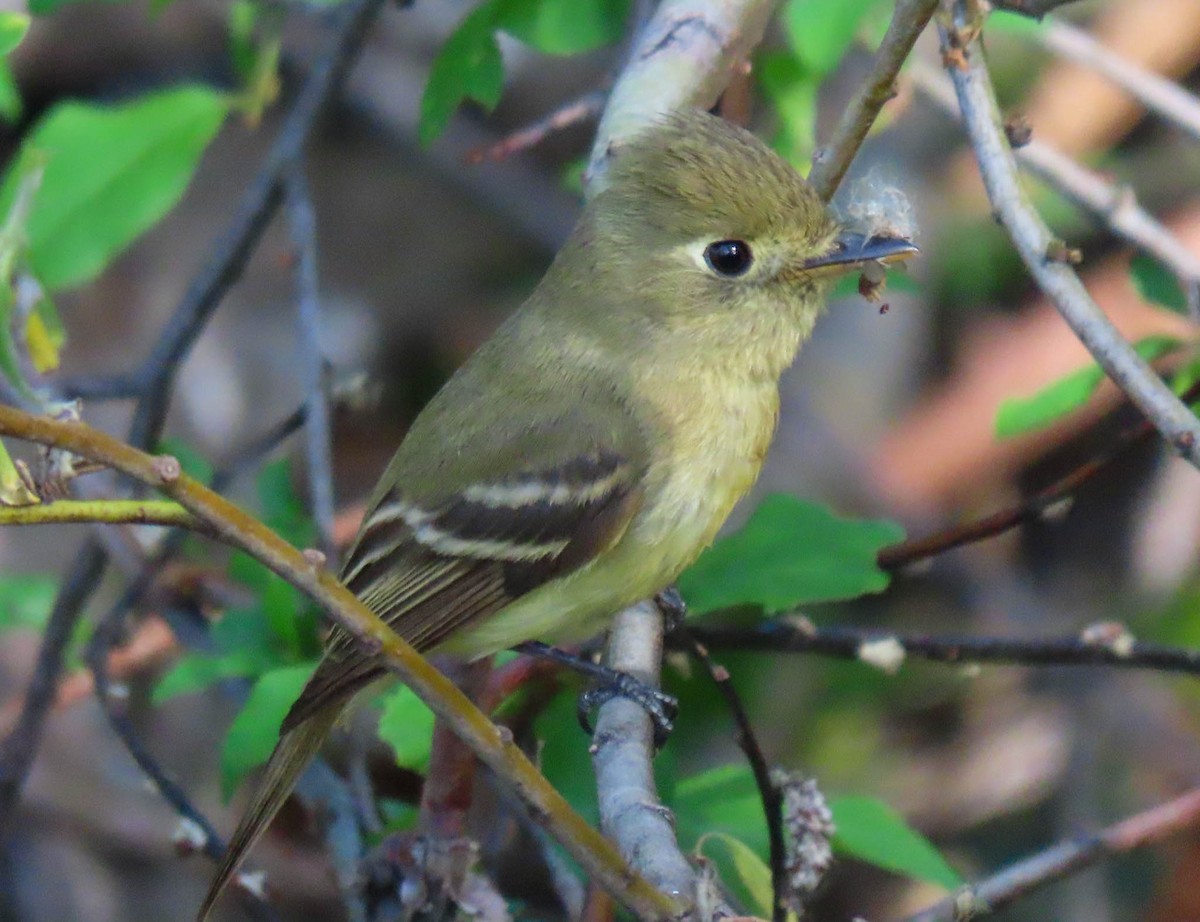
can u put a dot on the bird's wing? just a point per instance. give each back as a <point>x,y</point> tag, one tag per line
<point>431,570</point>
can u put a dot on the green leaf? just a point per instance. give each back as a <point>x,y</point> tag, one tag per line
<point>11,106</point>
<point>196,671</point>
<point>792,90</point>
<point>563,26</point>
<point>723,799</point>
<point>820,31</point>
<point>749,870</point>
<point>1019,415</point>
<point>871,831</point>
<point>1014,23</point>
<point>790,553</point>
<point>468,67</point>
<point>282,508</point>
<point>111,173</point>
<point>1157,284</point>
<point>13,27</point>
<point>406,725</point>
<point>255,730</point>
<point>25,601</point>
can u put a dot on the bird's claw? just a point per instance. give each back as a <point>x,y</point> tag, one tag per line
<point>661,707</point>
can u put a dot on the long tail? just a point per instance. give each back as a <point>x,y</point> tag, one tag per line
<point>292,753</point>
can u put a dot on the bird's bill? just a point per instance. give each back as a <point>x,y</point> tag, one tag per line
<point>853,250</point>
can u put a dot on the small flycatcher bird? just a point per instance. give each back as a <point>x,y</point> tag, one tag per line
<point>587,452</point>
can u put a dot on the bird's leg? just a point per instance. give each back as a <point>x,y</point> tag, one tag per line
<point>610,684</point>
<point>673,608</point>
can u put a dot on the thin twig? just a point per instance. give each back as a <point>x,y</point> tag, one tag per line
<point>109,511</point>
<point>1107,644</point>
<point>494,748</point>
<point>302,224</point>
<point>20,746</point>
<point>768,790</point>
<point>831,161</point>
<point>1146,828</point>
<point>1158,94</point>
<point>1042,253</point>
<point>1032,508</point>
<point>233,249</point>
<point>1116,206</point>
<point>586,107</point>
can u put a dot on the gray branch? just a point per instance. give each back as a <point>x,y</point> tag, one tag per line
<point>1042,253</point>
<point>685,57</point>
<point>1115,205</point>
<point>1158,94</point>
<point>622,752</point>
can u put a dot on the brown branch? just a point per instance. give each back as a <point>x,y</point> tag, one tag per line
<point>768,791</point>
<point>578,110</point>
<point>1146,828</point>
<point>494,748</point>
<point>831,161</point>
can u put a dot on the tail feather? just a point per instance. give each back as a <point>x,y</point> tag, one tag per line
<point>292,753</point>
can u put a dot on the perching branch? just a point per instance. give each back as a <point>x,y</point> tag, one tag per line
<point>831,161</point>
<point>494,748</point>
<point>622,752</point>
<point>685,57</point>
<point>1106,644</point>
<point>1116,206</point>
<point>1041,252</point>
<point>1146,828</point>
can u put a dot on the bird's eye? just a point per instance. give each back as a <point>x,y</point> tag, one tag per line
<point>728,257</point>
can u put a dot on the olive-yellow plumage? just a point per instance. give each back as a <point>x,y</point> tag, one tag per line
<point>588,452</point>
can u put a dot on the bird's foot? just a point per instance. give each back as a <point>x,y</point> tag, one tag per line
<point>661,707</point>
<point>673,608</point>
<point>610,684</point>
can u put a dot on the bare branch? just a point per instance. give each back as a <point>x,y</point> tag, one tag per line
<point>831,161</point>
<point>1036,506</point>
<point>963,54</point>
<point>768,790</point>
<point>1158,94</point>
<point>685,57</point>
<point>622,751</point>
<point>493,747</point>
<point>587,106</point>
<point>232,250</point>
<point>1055,863</point>
<point>20,746</point>
<point>1105,644</point>
<point>302,224</point>
<point>110,511</point>
<point>1116,206</point>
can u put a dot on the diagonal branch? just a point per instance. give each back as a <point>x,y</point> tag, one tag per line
<point>1114,205</point>
<point>1042,252</point>
<point>831,161</point>
<point>493,747</point>
<point>109,511</point>
<point>1146,828</point>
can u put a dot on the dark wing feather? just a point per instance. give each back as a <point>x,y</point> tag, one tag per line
<point>430,573</point>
